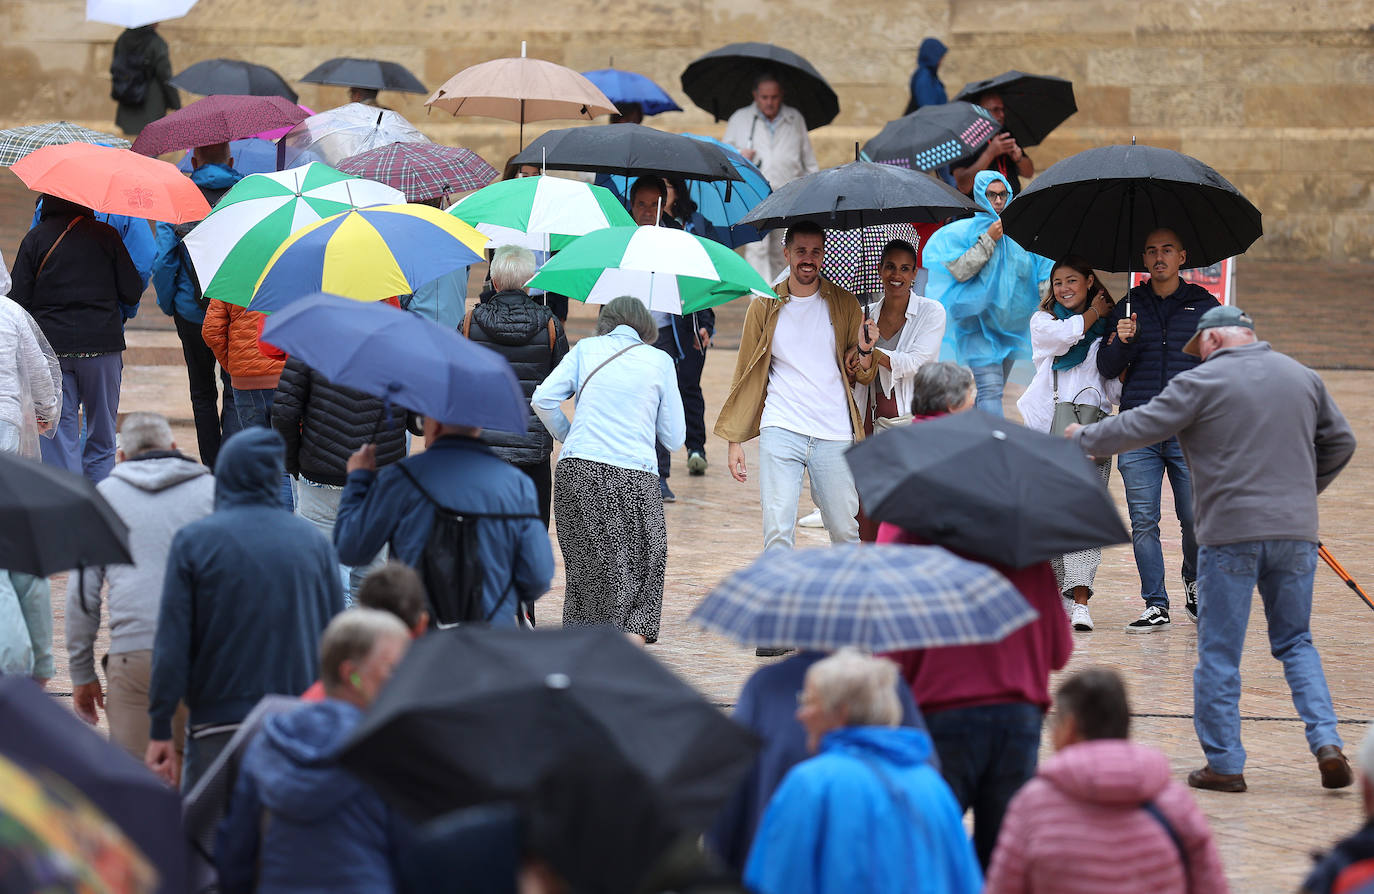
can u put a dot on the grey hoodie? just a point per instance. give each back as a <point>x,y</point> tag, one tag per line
<point>156,494</point>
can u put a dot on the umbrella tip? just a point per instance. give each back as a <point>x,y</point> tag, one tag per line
<point>1132,139</point>
<point>522,49</point>
<point>856,150</point>
<point>999,435</point>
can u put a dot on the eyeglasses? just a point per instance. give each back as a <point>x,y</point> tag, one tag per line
<point>999,194</point>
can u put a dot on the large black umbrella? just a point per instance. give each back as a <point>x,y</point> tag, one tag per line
<point>43,737</point>
<point>723,81</point>
<point>985,486</point>
<point>861,194</point>
<point>1035,104</point>
<point>933,136</point>
<point>234,77</point>
<point>1102,203</point>
<point>474,715</point>
<point>52,520</point>
<point>628,149</point>
<point>370,74</point>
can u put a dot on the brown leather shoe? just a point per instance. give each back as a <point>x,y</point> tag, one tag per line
<point>1218,782</point>
<point>1334,766</point>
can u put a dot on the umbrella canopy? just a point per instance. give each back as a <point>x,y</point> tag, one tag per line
<point>52,520</point>
<point>344,132</point>
<point>985,486</point>
<point>629,149</point>
<point>136,13</point>
<point>216,119</point>
<point>622,87</point>
<point>723,80</point>
<point>861,194</point>
<point>234,76</point>
<point>669,270</point>
<point>402,357</point>
<point>1035,104</point>
<point>116,181</point>
<point>231,248</point>
<point>474,715</point>
<point>367,254</point>
<point>876,598</point>
<point>1103,202</point>
<point>853,258</point>
<point>422,171</point>
<point>522,90</point>
<point>17,142</point>
<point>251,156</point>
<point>541,213</point>
<point>933,136</point>
<point>370,74</point>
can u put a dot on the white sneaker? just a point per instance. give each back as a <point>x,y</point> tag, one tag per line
<point>811,521</point>
<point>1080,618</point>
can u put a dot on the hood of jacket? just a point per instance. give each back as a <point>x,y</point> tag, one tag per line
<point>158,470</point>
<point>510,317</point>
<point>56,206</point>
<point>930,53</point>
<point>1108,772</point>
<point>215,177</point>
<point>249,469</point>
<point>297,774</point>
<point>981,181</point>
<point>897,745</point>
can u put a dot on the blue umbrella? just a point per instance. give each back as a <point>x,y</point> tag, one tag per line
<point>878,598</point>
<point>402,357</point>
<point>623,87</point>
<point>251,156</point>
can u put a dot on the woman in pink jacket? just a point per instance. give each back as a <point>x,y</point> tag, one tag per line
<point>1102,794</point>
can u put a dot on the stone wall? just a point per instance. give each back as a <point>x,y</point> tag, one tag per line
<point>1276,94</point>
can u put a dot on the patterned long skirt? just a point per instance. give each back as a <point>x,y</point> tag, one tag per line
<point>1079,569</point>
<point>614,541</point>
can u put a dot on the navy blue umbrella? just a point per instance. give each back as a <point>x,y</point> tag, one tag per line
<point>622,87</point>
<point>402,357</point>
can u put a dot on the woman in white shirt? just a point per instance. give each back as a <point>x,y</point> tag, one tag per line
<point>910,329</point>
<point>1065,334</point>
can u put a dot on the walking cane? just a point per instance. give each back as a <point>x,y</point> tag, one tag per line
<point>1343,574</point>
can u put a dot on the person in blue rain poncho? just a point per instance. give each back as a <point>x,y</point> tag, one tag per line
<point>990,287</point>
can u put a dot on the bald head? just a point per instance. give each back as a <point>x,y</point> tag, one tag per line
<point>1164,255</point>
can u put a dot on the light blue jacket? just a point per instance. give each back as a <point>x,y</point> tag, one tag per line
<point>632,402</point>
<point>173,276</point>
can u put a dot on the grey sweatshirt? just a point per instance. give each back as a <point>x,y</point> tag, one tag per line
<point>1261,435</point>
<point>155,496</point>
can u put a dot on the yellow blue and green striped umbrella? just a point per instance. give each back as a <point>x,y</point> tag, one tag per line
<point>367,254</point>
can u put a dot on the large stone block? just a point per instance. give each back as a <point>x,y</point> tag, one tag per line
<point>1233,153</point>
<point>1342,105</point>
<point>1198,105</point>
<point>1352,237</point>
<point>1141,67</point>
<point>1272,65</point>
<point>1336,152</point>
<point>1101,107</point>
<point>1294,237</point>
<point>1331,192</point>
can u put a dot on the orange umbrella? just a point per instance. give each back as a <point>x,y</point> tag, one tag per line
<point>115,181</point>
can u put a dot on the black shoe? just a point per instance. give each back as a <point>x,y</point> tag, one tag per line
<point>1334,767</point>
<point>665,491</point>
<point>762,652</point>
<point>650,640</point>
<point>1190,599</point>
<point>1152,619</point>
<point>696,462</point>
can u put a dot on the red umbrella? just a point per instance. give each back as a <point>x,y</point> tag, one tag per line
<point>116,181</point>
<point>217,119</point>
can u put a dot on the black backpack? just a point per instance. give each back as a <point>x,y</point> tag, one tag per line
<point>129,78</point>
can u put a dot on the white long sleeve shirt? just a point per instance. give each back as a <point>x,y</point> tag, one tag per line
<point>1081,384</point>
<point>782,147</point>
<point>918,343</point>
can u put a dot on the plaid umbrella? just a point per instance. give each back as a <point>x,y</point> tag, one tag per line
<point>216,119</point>
<point>879,598</point>
<point>422,170</point>
<point>16,142</point>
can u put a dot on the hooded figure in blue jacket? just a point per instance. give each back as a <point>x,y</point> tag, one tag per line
<point>868,813</point>
<point>990,287</point>
<point>926,87</point>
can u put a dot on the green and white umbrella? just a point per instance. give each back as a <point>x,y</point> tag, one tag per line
<point>541,213</point>
<point>231,247</point>
<point>669,270</point>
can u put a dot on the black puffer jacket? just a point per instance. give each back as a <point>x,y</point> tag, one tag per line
<point>324,424</point>
<point>1155,355</point>
<point>514,326</point>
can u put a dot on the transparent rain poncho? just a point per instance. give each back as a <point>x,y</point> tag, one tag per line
<point>30,378</point>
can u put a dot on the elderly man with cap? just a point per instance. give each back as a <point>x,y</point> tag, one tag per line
<point>1263,438</point>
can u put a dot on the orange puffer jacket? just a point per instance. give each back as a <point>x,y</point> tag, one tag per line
<point>232,333</point>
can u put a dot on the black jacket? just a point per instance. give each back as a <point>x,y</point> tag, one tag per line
<point>1155,355</point>
<point>517,328</point>
<point>76,300</point>
<point>323,424</point>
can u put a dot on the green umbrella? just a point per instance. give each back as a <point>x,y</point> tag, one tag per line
<point>541,213</point>
<point>669,270</point>
<point>231,247</point>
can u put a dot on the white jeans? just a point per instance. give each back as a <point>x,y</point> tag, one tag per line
<point>783,457</point>
<point>319,505</point>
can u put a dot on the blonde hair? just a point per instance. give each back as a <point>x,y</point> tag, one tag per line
<point>865,686</point>
<point>352,636</point>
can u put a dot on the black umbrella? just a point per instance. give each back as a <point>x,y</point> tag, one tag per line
<point>475,715</point>
<point>43,737</point>
<point>52,520</point>
<point>1035,104</point>
<point>628,149</point>
<point>933,136</point>
<point>861,194</point>
<point>234,77</point>
<point>370,74</point>
<point>1102,203</point>
<point>723,81</point>
<point>985,486</point>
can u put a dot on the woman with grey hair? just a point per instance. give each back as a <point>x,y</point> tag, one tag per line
<point>611,527</point>
<point>531,338</point>
<point>941,388</point>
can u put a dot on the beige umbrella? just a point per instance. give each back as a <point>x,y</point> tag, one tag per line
<point>521,90</point>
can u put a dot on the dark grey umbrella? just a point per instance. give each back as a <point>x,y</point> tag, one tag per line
<point>861,194</point>
<point>1103,202</point>
<point>628,149</point>
<point>1035,104</point>
<point>52,520</point>
<point>723,81</point>
<point>982,485</point>
<point>370,74</point>
<point>933,136</point>
<point>233,76</point>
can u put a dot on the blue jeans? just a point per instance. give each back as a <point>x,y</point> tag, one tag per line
<point>1283,570</point>
<point>991,381</point>
<point>783,457</point>
<point>1142,472</point>
<point>986,754</point>
<point>90,386</point>
<point>254,408</point>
